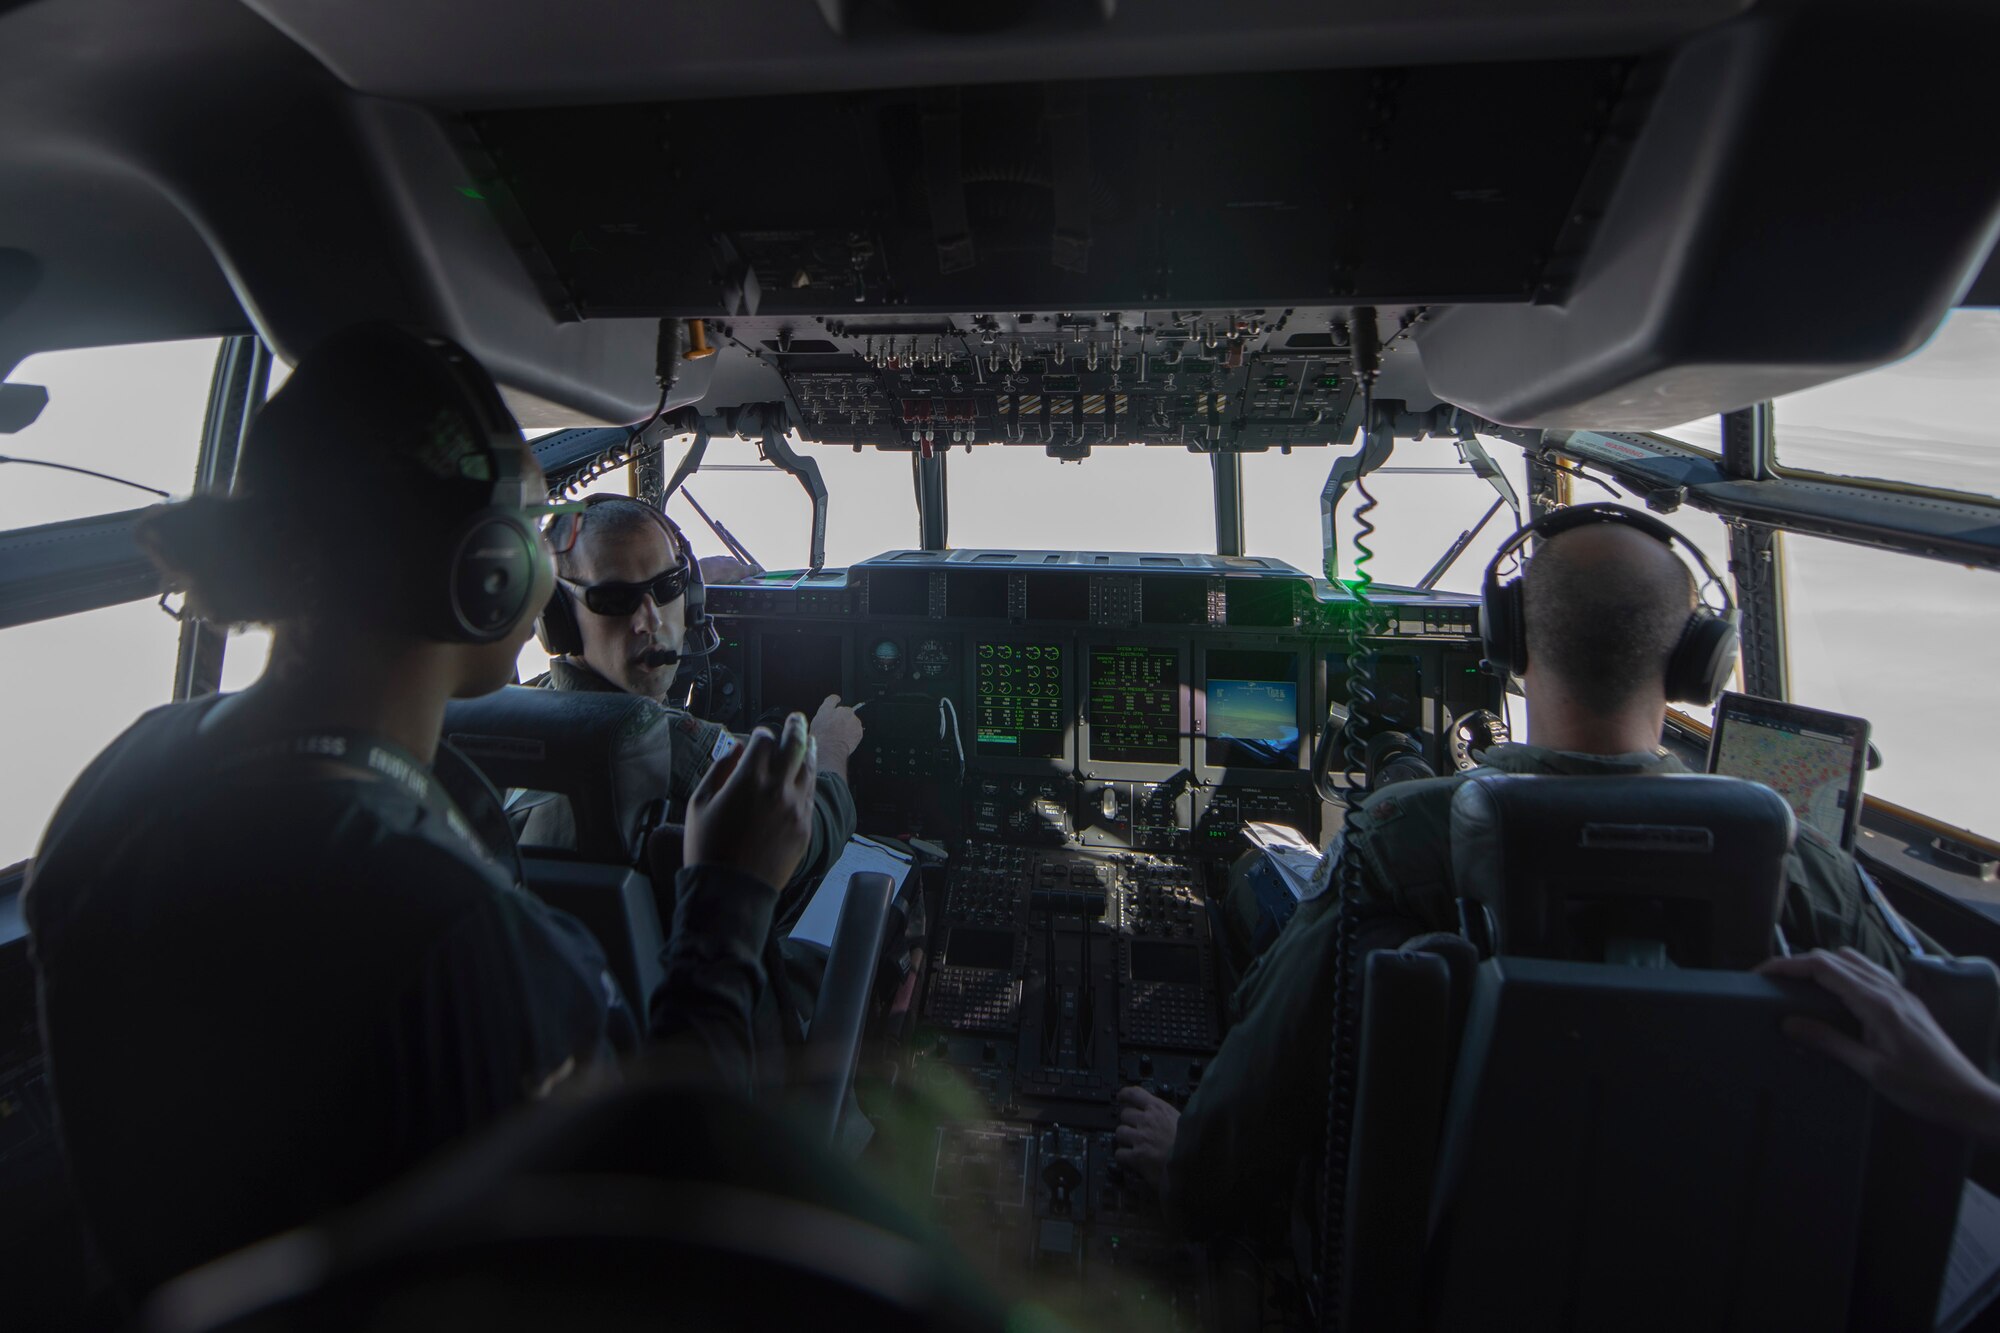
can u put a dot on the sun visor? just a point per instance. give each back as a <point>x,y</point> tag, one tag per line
<point>1798,207</point>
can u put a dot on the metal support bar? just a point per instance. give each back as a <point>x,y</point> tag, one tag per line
<point>1747,445</point>
<point>242,376</point>
<point>1756,563</point>
<point>1226,469</point>
<point>1482,465</point>
<point>777,449</point>
<point>724,535</point>
<point>933,501</point>
<point>689,465</point>
<point>1457,548</point>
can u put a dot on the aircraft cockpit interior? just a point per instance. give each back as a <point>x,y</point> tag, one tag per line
<point>1117,432</point>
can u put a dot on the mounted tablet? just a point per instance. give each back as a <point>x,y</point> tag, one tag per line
<point>1816,760</point>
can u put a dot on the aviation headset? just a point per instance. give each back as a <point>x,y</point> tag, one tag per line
<point>1704,655</point>
<point>480,575</point>
<point>562,636</point>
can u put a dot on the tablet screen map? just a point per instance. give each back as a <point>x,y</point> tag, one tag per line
<point>1811,770</point>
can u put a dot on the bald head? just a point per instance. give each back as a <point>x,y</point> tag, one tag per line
<point>1605,605</point>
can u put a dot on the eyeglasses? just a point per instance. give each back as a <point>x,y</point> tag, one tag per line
<point>622,599</point>
<point>561,536</point>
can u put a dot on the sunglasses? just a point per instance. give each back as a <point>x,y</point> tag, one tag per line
<point>622,599</point>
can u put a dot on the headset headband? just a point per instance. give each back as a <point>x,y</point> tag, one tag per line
<point>1703,657</point>
<point>1603,511</point>
<point>477,392</point>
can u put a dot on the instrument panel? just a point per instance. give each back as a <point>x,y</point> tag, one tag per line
<point>1143,702</point>
<point>1085,734</point>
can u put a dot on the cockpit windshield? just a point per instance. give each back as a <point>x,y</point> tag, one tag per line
<point>1927,420</point>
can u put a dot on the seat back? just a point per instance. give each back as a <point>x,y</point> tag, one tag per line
<point>1631,1146</point>
<point>1643,1148</point>
<point>611,755</point>
<point>1684,869</point>
<point>617,904</point>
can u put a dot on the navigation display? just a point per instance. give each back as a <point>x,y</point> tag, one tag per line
<point>1815,760</point>
<point>798,671</point>
<point>1019,687</point>
<point>1135,704</point>
<point>1253,710</point>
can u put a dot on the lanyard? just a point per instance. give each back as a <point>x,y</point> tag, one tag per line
<point>377,758</point>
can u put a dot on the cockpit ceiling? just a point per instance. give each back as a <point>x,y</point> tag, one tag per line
<point>531,53</point>
<point>1610,215</point>
<point>1446,183</point>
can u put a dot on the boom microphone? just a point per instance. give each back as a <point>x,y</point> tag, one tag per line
<point>702,646</point>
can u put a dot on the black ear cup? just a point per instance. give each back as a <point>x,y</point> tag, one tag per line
<point>493,577</point>
<point>1703,660</point>
<point>557,629</point>
<point>1503,627</point>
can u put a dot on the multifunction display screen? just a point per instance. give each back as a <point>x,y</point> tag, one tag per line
<point>1019,687</point>
<point>1135,695</point>
<point>1253,710</point>
<point>1399,704</point>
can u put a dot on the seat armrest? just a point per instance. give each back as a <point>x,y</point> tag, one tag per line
<point>1402,1076</point>
<point>833,1043</point>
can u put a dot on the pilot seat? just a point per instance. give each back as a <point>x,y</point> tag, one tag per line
<point>1583,1114</point>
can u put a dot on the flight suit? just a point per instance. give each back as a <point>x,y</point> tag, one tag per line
<point>1259,1114</point>
<point>794,970</point>
<point>277,971</point>
<point>697,744</point>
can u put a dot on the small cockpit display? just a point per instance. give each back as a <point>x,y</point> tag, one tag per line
<point>1020,691</point>
<point>1253,710</point>
<point>1134,708</point>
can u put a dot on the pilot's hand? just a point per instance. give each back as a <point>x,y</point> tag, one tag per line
<point>724,569</point>
<point>1902,1052</point>
<point>838,731</point>
<point>753,810</point>
<point>1145,1135</point>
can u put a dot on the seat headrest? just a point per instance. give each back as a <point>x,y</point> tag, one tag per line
<point>610,754</point>
<point>1682,868</point>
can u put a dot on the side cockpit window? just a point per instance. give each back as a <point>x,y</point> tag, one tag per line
<point>71,684</point>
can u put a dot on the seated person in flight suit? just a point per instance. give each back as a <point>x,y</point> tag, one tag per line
<point>619,620</point>
<point>1606,605</point>
<point>277,965</point>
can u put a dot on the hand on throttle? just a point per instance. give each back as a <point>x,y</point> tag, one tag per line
<point>1145,1135</point>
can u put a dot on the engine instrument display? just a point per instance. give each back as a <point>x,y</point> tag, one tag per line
<point>1134,708</point>
<point>1020,692</point>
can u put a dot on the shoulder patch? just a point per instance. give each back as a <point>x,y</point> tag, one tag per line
<point>1384,810</point>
